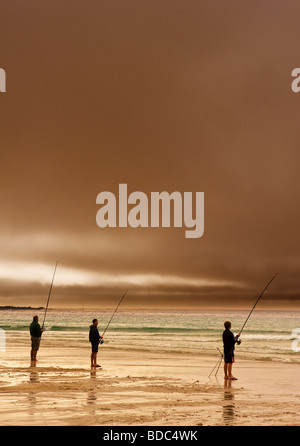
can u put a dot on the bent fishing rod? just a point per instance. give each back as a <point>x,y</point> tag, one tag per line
<point>256,303</point>
<point>113,315</point>
<point>49,294</point>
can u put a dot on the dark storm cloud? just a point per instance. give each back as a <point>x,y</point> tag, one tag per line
<point>167,95</point>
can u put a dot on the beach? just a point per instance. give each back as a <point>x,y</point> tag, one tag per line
<point>142,388</point>
<point>155,370</point>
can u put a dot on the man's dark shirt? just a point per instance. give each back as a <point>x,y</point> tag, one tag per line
<point>228,341</point>
<point>35,329</point>
<point>94,335</point>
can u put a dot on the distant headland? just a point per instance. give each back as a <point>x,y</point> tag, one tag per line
<point>11,307</point>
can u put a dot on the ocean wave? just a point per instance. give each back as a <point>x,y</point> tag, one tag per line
<point>66,328</point>
<point>131,329</point>
<point>15,327</point>
<point>270,337</point>
<point>159,330</point>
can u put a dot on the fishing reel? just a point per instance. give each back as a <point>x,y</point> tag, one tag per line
<point>237,340</point>
<point>101,341</point>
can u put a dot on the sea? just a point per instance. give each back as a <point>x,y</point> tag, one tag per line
<point>269,335</point>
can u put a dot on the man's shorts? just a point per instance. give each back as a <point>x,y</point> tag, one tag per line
<point>229,357</point>
<point>95,347</point>
<point>35,342</point>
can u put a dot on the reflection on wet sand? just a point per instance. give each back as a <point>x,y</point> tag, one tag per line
<point>34,377</point>
<point>229,410</point>
<point>91,395</point>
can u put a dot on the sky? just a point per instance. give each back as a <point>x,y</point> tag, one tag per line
<point>165,95</point>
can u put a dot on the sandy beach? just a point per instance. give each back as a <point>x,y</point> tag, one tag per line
<point>143,389</point>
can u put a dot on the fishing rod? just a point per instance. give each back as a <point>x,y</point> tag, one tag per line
<point>256,303</point>
<point>113,314</point>
<point>49,294</point>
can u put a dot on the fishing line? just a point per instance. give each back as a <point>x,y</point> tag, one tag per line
<point>49,294</point>
<point>256,303</point>
<point>114,313</point>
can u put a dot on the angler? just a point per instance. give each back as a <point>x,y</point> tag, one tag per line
<point>229,341</point>
<point>95,338</point>
<point>35,334</point>
<point>35,329</point>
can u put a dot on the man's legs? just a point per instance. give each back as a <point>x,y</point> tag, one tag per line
<point>225,370</point>
<point>228,371</point>
<point>35,345</point>
<point>33,355</point>
<point>93,359</point>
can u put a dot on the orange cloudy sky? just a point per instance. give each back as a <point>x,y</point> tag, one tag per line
<point>162,96</point>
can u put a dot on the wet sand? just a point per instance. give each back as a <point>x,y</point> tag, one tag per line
<point>143,389</point>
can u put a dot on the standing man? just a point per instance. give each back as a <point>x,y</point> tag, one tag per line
<point>229,341</point>
<point>36,333</point>
<point>94,338</point>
